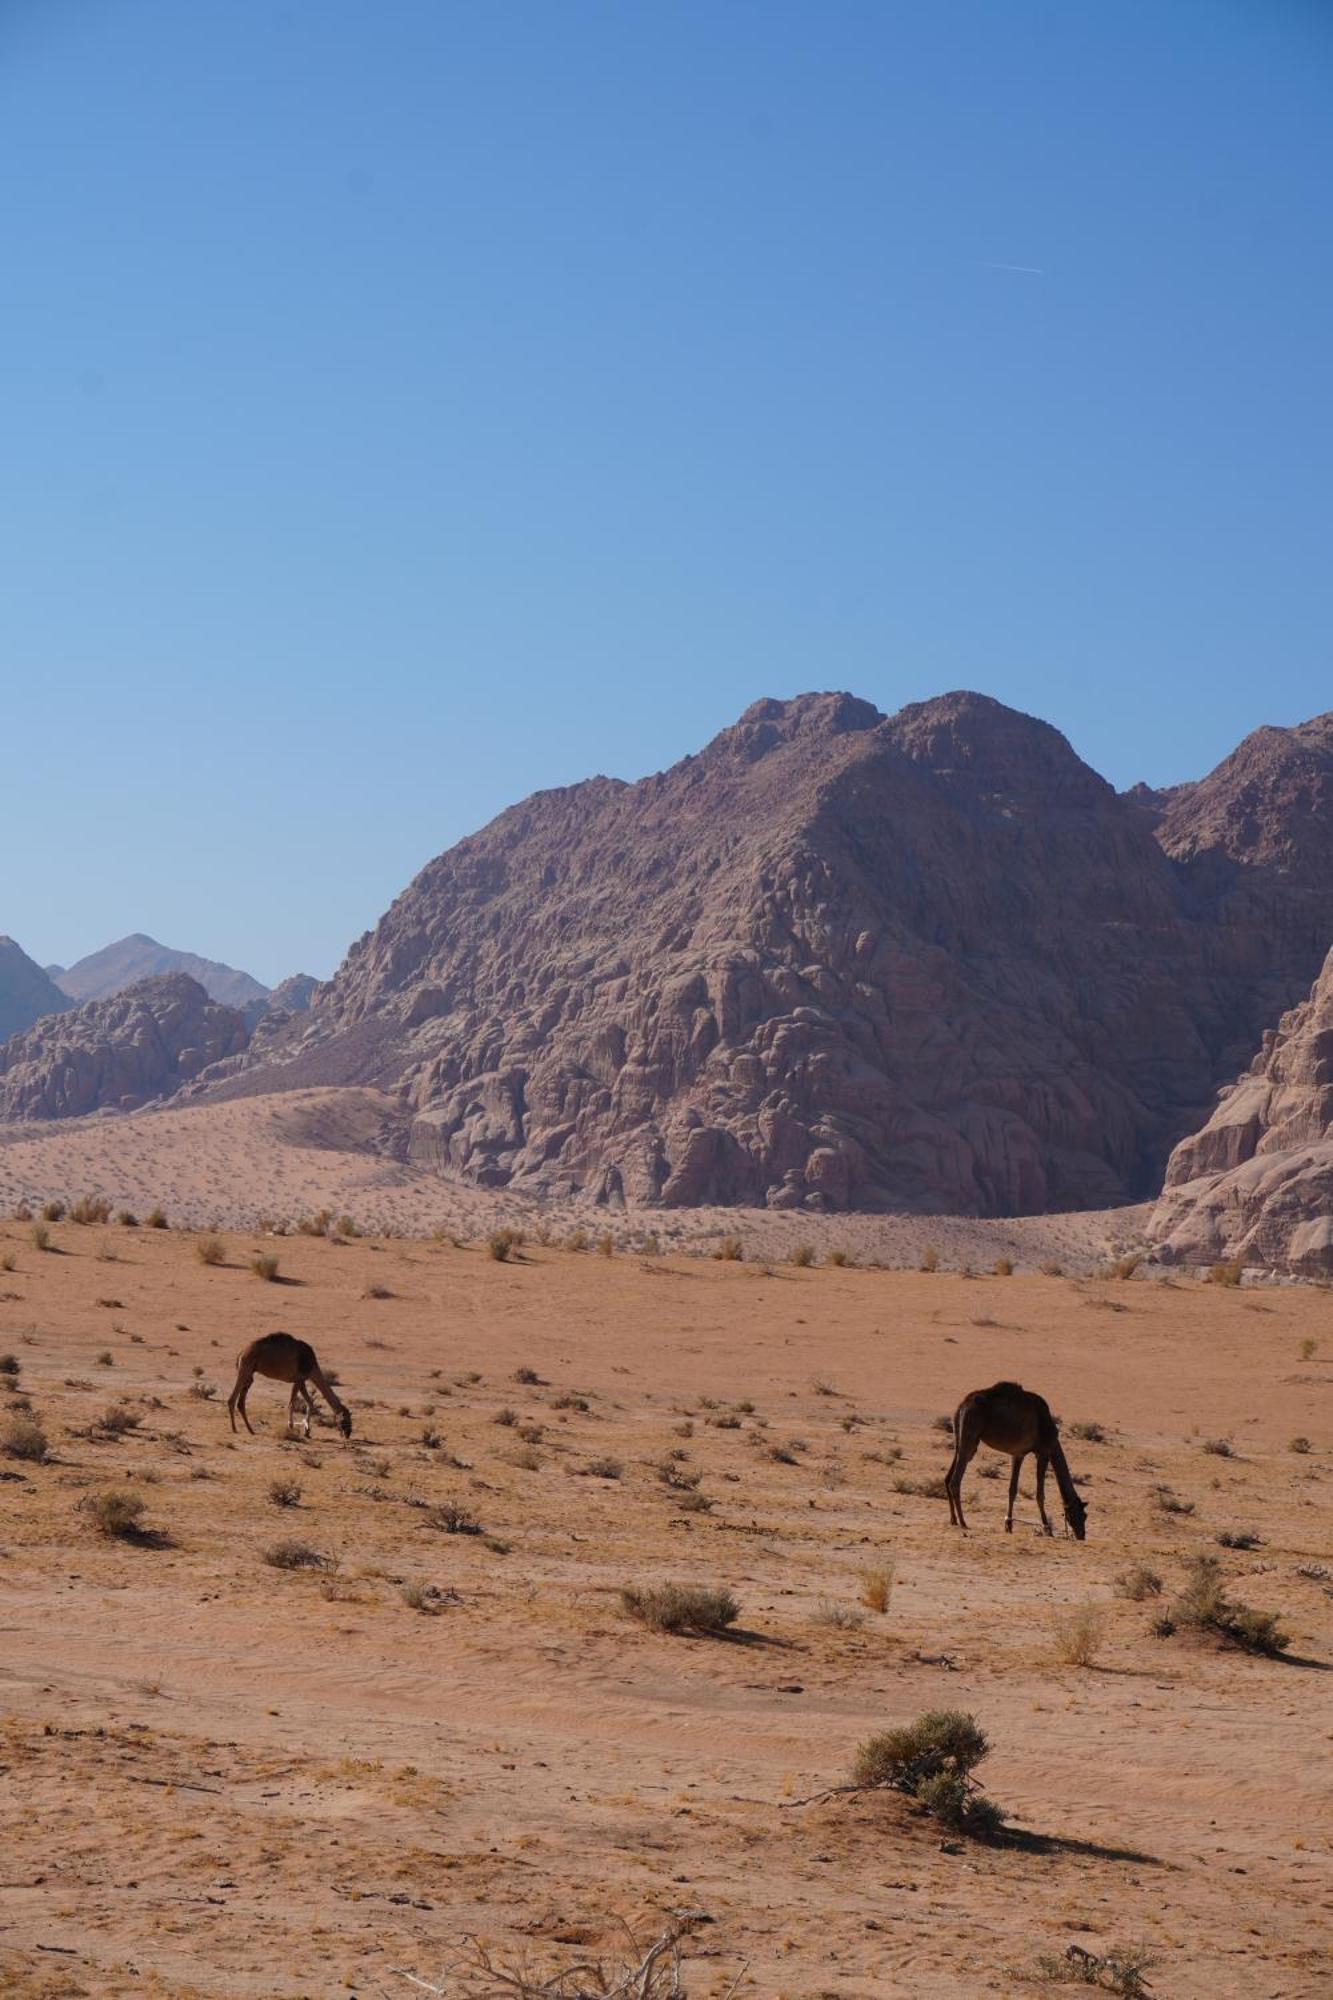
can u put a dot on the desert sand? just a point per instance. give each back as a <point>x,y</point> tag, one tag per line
<point>228,1778</point>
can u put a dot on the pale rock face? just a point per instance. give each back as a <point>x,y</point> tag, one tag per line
<point>1256,1182</point>
<point>929,962</point>
<point>117,1054</point>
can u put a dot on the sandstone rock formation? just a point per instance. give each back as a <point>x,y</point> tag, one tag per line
<point>1257,1181</point>
<point>26,992</point>
<point>137,957</point>
<point>118,1053</point>
<point>930,961</point>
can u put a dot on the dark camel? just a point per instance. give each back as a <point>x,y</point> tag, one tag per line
<point>283,1358</point>
<point>1010,1418</point>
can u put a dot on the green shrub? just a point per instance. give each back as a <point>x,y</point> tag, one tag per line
<point>932,1760</point>
<point>1203,1605</point>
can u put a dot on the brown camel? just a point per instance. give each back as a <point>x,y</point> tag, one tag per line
<point>283,1358</point>
<point>1010,1418</point>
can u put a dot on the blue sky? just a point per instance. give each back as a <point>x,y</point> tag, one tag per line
<point>405,404</point>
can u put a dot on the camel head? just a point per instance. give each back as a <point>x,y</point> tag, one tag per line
<point>345,1426</point>
<point>1076,1513</point>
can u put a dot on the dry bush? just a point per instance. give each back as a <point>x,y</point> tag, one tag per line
<point>377,1292</point>
<point>680,1607</point>
<point>1300,1444</point>
<point>7,1260</point>
<point>942,1423</point>
<point>656,1974</point>
<point>1090,1431</point>
<point>1117,1971</point>
<point>1138,1582</point>
<point>1307,1349</point>
<point>284,1493</point>
<point>203,1392</point>
<point>578,1240</point>
<point>930,1259</point>
<point>837,1617</point>
<point>106,1359</point>
<point>803,1256</point>
<point>1050,1269</point>
<point>676,1476</point>
<point>53,1211</point>
<point>1168,1502</point>
<point>1003,1267</point>
<point>1079,1633</point>
<point>265,1266</point>
<point>1125,1267</point>
<point>528,1377</point>
<point>840,1259</point>
<point>932,1760</point>
<point>292,1554</point>
<point>155,1219</point>
<point>23,1437</point>
<point>90,1208</point>
<point>1219,1447</point>
<point>1238,1538</point>
<point>1227,1274</point>
<point>10,1366</point>
<point>345,1226</point>
<point>877,1586</point>
<point>603,1468</point>
<point>211,1250</point>
<point>500,1245</point>
<point>116,1513</point>
<point>451,1517</point>
<point>606,1245</point>
<point>730,1250</point>
<point>1204,1606</point>
<point>127,1218</point>
<point>922,1489</point>
<point>118,1420</point>
<point>41,1236</point>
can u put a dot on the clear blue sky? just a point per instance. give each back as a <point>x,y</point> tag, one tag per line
<point>405,404</point>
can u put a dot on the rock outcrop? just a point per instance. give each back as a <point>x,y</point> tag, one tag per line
<point>26,992</point>
<point>1257,1181</point>
<point>929,961</point>
<point>137,957</point>
<point>119,1053</point>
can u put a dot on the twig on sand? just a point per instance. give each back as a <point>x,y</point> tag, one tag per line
<point>654,1975</point>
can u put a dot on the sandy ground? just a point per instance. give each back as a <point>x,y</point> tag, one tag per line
<point>225,1778</point>
<point>275,1159</point>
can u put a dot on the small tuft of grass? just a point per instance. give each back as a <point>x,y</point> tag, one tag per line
<point>41,1236</point>
<point>680,1608</point>
<point>53,1211</point>
<point>730,1250</point>
<point>116,1513</point>
<point>528,1377</point>
<point>293,1554</point>
<point>1079,1633</point>
<point>840,1259</point>
<point>203,1392</point>
<point>1168,1502</point>
<point>1050,1269</point>
<point>1308,1349</point>
<point>877,1586</point>
<point>1090,1431</point>
<point>1219,1447</point>
<point>90,1208</point>
<point>837,1617</point>
<point>265,1266</point>
<point>284,1493</point>
<point>1226,1273</point>
<point>803,1256</point>
<point>603,1468</point>
<point>23,1437</point>
<point>1238,1538</point>
<point>1003,1267</point>
<point>1300,1444</point>
<point>930,1259</point>
<point>106,1359</point>
<point>211,1250</point>
<point>155,1219</point>
<point>500,1245</point>
<point>1138,1582</point>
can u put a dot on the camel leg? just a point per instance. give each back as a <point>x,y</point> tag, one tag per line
<point>1015,1466</point>
<point>296,1396</point>
<point>963,1454</point>
<point>1041,1493</point>
<point>236,1401</point>
<point>309,1402</point>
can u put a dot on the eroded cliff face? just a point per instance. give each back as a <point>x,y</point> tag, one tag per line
<point>1256,1182</point>
<point>119,1053</point>
<point>838,959</point>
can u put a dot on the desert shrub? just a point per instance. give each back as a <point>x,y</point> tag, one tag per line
<point>41,1236</point>
<point>837,1617</point>
<point>264,1266</point>
<point>1003,1267</point>
<point>930,1259</point>
<point>90,1208</point>
<point>1125,1267</point>
<point>11,1367</point>
<point>578,1239</point>
<point>922,1489</point>
<point>115,1513</point>
<point>284,1493</point>
<point>606,1245</point>
<point>506,1417</point>
<point>932,1760</point>
<point>1226,1273</point>
<point>803,1256</point>
<point>499,1245</point>
<point>877,1586</point>
<point>527,1377</point>
<point>569,1399</point>
<point>604,1468</point>
<point>1168,1502</point>
<point>678,1476</point>
<point>942,1423</point>
<point>22,1212</point>
<point>345,1226</point>
<point>1203,1605</point>
<point>840,1259</point>
<point>127,1218</point>
<point>377,1292</point>
<point>532,1433</point>
<point>1138,1582</point>
<point>1307,1349</point>
<point>1050,1269</point>
<point>316,1225</point>
<point>1078,1634</point>
<point>106,1359</point>
<point>118,1420</point>
<point>1219,1447</point>
<point>155,1219</point>
<point>211,1250</point>
<point>1238,1538</point>
<point>23,1437</point>
<point>7,1260</point>
<point>1299,1444</point>
<point>452,1518</point>
<point>1091,1432</point>
<point>293,1554</point>
<point>203,1392</point>
<point>680,1607</point>
<point>53,1211</point>
<point>1117,1971</point>
<point>730,1250</point>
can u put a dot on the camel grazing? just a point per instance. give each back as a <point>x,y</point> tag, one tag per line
<point>1010,1418</point>
<point>283,1358</point>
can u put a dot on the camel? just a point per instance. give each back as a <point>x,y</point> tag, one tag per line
<point>1012,1419</point>
<point>283,1358</point>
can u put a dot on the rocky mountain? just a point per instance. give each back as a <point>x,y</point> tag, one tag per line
<point>137,957</point>
<point>1257,1181</point>
<point>26,993</point>
<point>928,961</point>
<point>118,1053</point>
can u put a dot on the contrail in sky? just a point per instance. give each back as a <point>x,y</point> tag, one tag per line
<point>1028,270</point>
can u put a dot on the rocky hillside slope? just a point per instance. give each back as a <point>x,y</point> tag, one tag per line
<point>928,961</point>
<point>119,1053</point>
<point>137,957</point>
<point>26,993</point>
<point>1257,1181</point>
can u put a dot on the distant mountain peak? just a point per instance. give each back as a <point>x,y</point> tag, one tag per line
<point>139,956</point>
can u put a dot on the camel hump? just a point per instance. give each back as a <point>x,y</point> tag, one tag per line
<point>1005,1389</point>
<point>305,1356</point>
